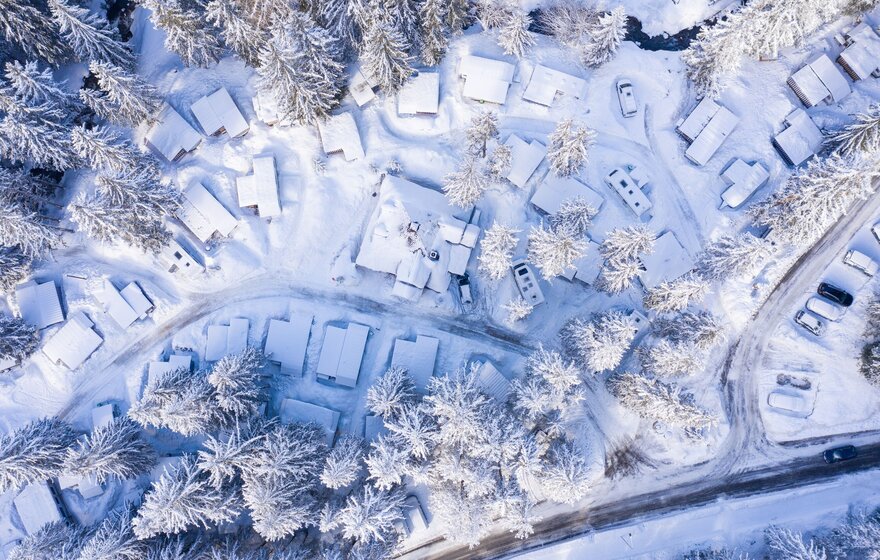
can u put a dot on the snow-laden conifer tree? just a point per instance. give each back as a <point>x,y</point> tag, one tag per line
<point>23,24</point>
<point>345,20</point>
<point>88,35</point>
<point>575,215</point>
<point>116,450</point>
<point>223,457</point>
<point>566,475</point>
<point>237,30</point>
<point>238,382</point>
<point>517,309</point>
<point>554,251</point>
<point>655,400</point>
<point>25,189</point>
<point>493,13</point>
<point>551,385</point>
<point>735,257</point>
<point>513,33</point>
<point>458,15</point>
<point>387,463</point>
<point>458,406</point>
<point>676,295</point>
<point>15,266</point>
<point>181,401</point>
<point>570,22</point>
<point>34,452</point>
<point>496,250</point>
<point>859,535</point>
<point>465,186</point>
<point>570,145</point>
<point>433,30</point>
<point>114,539</point>
<point>598,344</point>
<point>124,98</point>
<point>18,339</point>
<point>860,136</point>
<point>371,515</point>
<point>790,545</point>
<point>344,462</point>
<point>617,276</point>
<point>26,231</point>
<point>32,136</point>
<point>717,54</point>
<point>499,163</point>
<point>56,541</point>
<point>483,127</point>
<point>391,393</point>
<point>103,149</point>
<point>403,15</point>
<point>465,519</point>
<point>384,54</point>
<point>623,244</point>
<point>699,327</point>
<point>101,219</point>
<point>606,34</point>
<point>31,87</point>
<point>672,359</point>
<point>414,428</point>
<point>186,33</point>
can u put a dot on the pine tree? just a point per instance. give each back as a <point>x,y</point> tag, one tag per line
<point>114,539</point>
<point>384,55</point>
<point>185,32</point>
<point>238,382</point>
<point>124,98</point>
<point>600,343</point>
<point>860,136</point>
<point>483,127</point>
<point>181,401</point>
<point>26,26</point>
<point>237,30</point>
<point>496,250</point>
<point>26,231</point>
<point>493,13</point>
<point>34,452</point>
<point>116,450</point>
<point>676,295</point>
<point>18,339</point>
<point>622,249</point>
<point>15,267</point>
<point>391,393</point>
<point>433,30</point>
<point>699,328</point>
<point>669,359</point>
<point>89,36</point>
<point>345,20</point>
<point>56,541</point>
<point>735,257</point>
<point>344,462</point>
<point>465,519</point>
<point>575,215</point>
<point>458,15</point>
<point>458,406</point>
<point>403,15</point>
<point>517,309</point>
<point>30,136</point>
<point>371,515</point>
<point>223,457</point>
<point>387,462</point>
<point>717,54</point>
<point>569,147</point>
<point>99,218</point>
<point>790,545</point>
<point>605,37</point>
<point>139,191</point>
<point>465,186</point>
<point>415,430</point>
<point>566,476</point>
<point>31,87</point>
<point>554,251</point>
<point>103,149</point>
<point>570,22</point>
<point>499,164</point>
<point>514,35</point>
<point>655,400</point>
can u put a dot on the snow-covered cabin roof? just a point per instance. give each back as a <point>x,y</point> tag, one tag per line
<point>801,140</point>
<point>697,120</point>
<point>717,123</point>
<point>417,358</point>
<point>88,486</point>
<point>743,180</point>
<point>547,82</point>
<point>287,342</point>
<point>174,257</point>
<point>374,426</point>
<point>485,79</point>
<point>203,214</point>
<point>339,133</point>
<point>73,343</point>
<point>629,190</point>
<point>342,353</point>
<point>554,190</point>
<point>459,256</point>
<point>39,304</point>
<point>861,58</point>
<point>122,313</point>
<point>157,370</point>
<point>819,81</point>
<point>293,410</point>
<point>362,88</point>
<point>414,515</point>
<point>666,262</point>
<point>37,507</point>
<point>525,157</point>
<point>135,297</point>
<point>171,135</point>
<point>102,416</point>
<point>492,382</point>
<point>587,268</point>
<point>224,340</point>
<point>420,95</point>
<point>218,113</point>
<point>260,189</point>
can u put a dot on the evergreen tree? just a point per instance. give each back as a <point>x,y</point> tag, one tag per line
<point>387,462</point>
<point>433,29</point>
<point>496,250</point>
<point>89,36</point>
<point>237,30</point>
<point>26,26</point>
<point>15,266</point>
<point>238,384</point>
<point>605,37</point>
<point>622,250</point>
<point>403,15</point>
<point>140,191</point>
<point>493,13</point>
<point>56,541</point>
<point>34,452</point>
<point>458,15</point>
<point>99,218</point>
<point>860,136</point>
<point>655,400</point>
<point>31,87</point>
<point>344,462</point>
<point>32,136</point>
<point>517,309</point>
<point>384,54</point>
<point>26,190</point>
<point>789,544</point>
<point>569,147</point>
<point>465,186</point>
<point>185,32</point>
<point>180,400</point>
<point>391,393</point>
<point>345,20</point>
<point>570,22</point>
<point>224,457</point>
<point>18,339</point>
<point>554,251</point>
<point>598,344</point>
<point>566,476</point>
<point>371,515</point>
<point>415,430</point>
<point>676,295</point>
<point>103,149</point>
<point>26,232</point>
<point>699,328</point>
<point>116,450</point>
<point>123,98</point>
<point>735,257</point>
<point>673,359</point>
<point>514,35</point>
<point>499,165</point>
<point>575,215</point>
<point>114,539</point>
<point>483,128</point>
<point>717,54</point>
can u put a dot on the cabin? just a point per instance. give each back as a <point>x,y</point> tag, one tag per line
<point>525,157</point>
<point>171,136</point>
<point>800,140</point>
<point>628,183</point>
<point>546,83</point>
<point>554,191</point>
<point>158,370</point>
<point>861,57</point>
<point>492,382</point>
<point>38,505</point>
<point>287,342</point>
<point>224,340</point>
<point>342,353</point>
<point>126,306</point>
<point>293,410</point>
<point>260,189</point>
<point>217,113</point>
<point>742,180</point>
<point>588,267</point>
<point>39,304</point>
<point>485,80</point>
<point>339,134</point>
<point>362,88</point>
<point>73,343</point>
<point>203,214</point>
<point>175,258</point>
<point>417,358</point>
<point>88,486</point>
<point>668,261</point>
<point>420,95</point>
<point>819,82</point>
<point>706,129</point>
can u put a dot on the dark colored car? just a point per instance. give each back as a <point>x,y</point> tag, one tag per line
<point>839,454</point>
<point>835,294</point>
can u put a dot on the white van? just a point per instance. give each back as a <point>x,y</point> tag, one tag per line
<point>527,283</point>
<point>861,262</point>
<point>784,401</point>
<point>628,105</point>
<point>824,308</point>
<point>809,322</point>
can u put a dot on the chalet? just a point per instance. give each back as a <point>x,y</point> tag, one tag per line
<point>224,340</point>
<point>124,306</point>
<point>293,410</point>
<point>260,189</point>
<point>203,214</point>
<point>171,136</point>
<point>742,180</point>
<point>362,88</point>
<point>73,343</point>
<point>39,304</point>
<point>706,128</point>
<point>587,268</point>
<point>492,382</point>
<point>175,258</point>
<point>800,140</point>
<point>525,157</point>
<point>420,95</point>
<point>339,133</point>
<point>819,82</point>
<point>417,358</point>
<point>287,342</point>
<point>861,57</point>
<point>342,353</point>
<point>217,113</point>
<point>628,183</point>
<point>485,79</point>
<point>554,191</point>
<point>38,505</point>
<point>668,261</point>
<point>546,83</point>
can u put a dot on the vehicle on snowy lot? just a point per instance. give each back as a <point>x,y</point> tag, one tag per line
<point>527,283</point>
<point>838,454</point>
<point>464,290</point>
<point>627,98</point>
<point>824,308</point>
<point>861,262</point>
<point>809,322</point>
<point>835,294</point>
<point>790,403</point>
<point>875,229</point>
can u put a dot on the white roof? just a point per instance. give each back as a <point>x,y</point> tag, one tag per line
<point>218,112</point>
<point>588,267</point>
<point>361,88</point>
<point>546,82</point>
<point>156,370</point>
<point>801,140</point>
<point>471,235</point>
<point>36,507</point>
<point>819,80</point>
<point>667,261</point>
<point>485,79</point>
<point>73,343</point>
<point>224,340</point>
<point>293,410</point>
<point>413,269</point>
<point>863,55</point>
<point>493,382</point>
<point>261,188</point>
<point>266,108</point>
<point>342,353</point>
<point>39,304</point>
<point>171,135</point>
<point>134,296</point>
<point>115,305</point>
<point>203,214</point>
<point>712,136</point>
<point>287,342</point>
<point>339,133</point>
<point>691,127</point>
<point>628,189</point>
<point>554,190</point>
<point>417,358</point>
<point>744,179</point>
<point>525,157</point>
<point>459,255</point>
<point>374,426</point>
<point>420,94</point>
<point>102,416</point>
<point>406,291</point>
<point>174,257</point>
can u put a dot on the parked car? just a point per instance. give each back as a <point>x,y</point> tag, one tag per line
<point>875,229</point>
<point>809,322</point>
<point>627,98</point>
<point>838,454</point>
<point>787,402</point>
<point>464,290</point>
<point>824,308</point>
<point>835,294</point>
<point>527,283</point>
<point>861,262</point>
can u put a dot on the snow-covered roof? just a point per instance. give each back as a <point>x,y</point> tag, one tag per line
<point>135,297</point>
<point>546,82</point>
<point>342,353</point>
<point>666,262</point>
<point>102,416</point>
<point>203,214</point>
<point>224,340</point>
<point>459,256</point>
<point>801,140</point>
<point>339,133</point>
<point>493,382</point>
<point>628,189</point>
<point>691,126</point>
<point>414,514</point>
<point>417,358</point>
<point>819,81</point>
<point>588,267</point>
<point>485,79</point>
<point>743,180</point>
<point>711,136</point>
<point>174,257</point>
<point>39,304</point>
<point>217,113</point>
<point>287,342</point>
<point>374,426</point>
<point>420,95</point>
<point>115,305</point>
<point>861,59</point>
<point>73,343</point>
<point>266,108</point>
<point>554,190</point>
<point>156,370</point>
<point>261,188</point>
<point>36,507</point>
<point>171,135</point>
<point>293,410</point>
<point>525,157</point>
<point>361,88</point>
<point>88,486</point>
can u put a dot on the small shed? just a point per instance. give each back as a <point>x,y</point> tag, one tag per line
<point>342,353</point>
<point>217,113</point>
<point>417,358</point>
<point>546,83</point>
<point>706,128</point>
<point>587,268</point>
<point>260,190</point>
<point>171,136</point>
<point>525,157</point>
<point>287,342</point>
<point>819,81</point>
<point>37,506</point>
<point>420,95</point>
<point>39,304</point>
<point>203,214</point>
<point>126,306</point>
<point>861,58</point>
<point>492,382</point>
<point>800,140</point>
<point>742,180</point>
<point>485,79</point>
<point>157,370</point>
<point>175,258</point>
<point>293,410</point>
<point>73,343</point>
<point>630,189</point>
<point>224,340</point>
<point>362,88</point>
<point>668,261</point>
<point>339,133</point>
<point>554,191</point>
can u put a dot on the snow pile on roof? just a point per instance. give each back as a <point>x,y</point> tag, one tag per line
<point>417,358</point>
<point>293,410</point>
<point>171,135</point>
<point>485,79</point>
<point>339,133</point>
<point>492,382</point>
<point>203,214</point>
<point>801,140</point>
<point>819,81</point>
<point>260,189</point>
<point>174,257</point>
<point>39,304</point>
<point>73,343</point>
<point>420,95</point>
<point>666,262</point>
<point>218,113</point>
<point>861,58</point>
<point>706,128</point>
<point>587,268</point>
<point>36,507</point>
<point>287,342</point>
<point>546,83</point>
<point>123,307</point>
<point>342,353</point>
<point>156,370</point>
<point>743,180</point>
<point>224,340</point>
<point>525,157</point>
<point>554,190</point>
<point>362,88</point>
